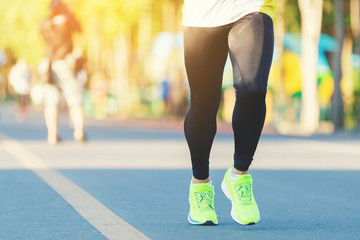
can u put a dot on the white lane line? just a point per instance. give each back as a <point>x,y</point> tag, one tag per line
<point>99,216</point>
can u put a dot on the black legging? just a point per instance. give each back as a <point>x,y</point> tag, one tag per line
<point>250,42</point>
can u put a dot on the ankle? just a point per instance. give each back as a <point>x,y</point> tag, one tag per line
<point>238,172</point>
<point>78,134</point>
<point>207,180</point>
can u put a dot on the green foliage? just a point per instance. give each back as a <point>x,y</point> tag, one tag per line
<point>292,16</point>
<point>328,22</point>
<point>108,17</point>
<point>19,27</point>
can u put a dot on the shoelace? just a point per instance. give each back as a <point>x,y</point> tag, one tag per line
<point>205,200</point>
<point>243,192</point>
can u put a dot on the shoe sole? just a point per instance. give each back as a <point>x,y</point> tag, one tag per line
<point>227,194</point>
<point>207,223</point>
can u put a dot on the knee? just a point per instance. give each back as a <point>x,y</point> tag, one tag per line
<point>51,96</point>
<point>204,104</point>
<point>252,97</point>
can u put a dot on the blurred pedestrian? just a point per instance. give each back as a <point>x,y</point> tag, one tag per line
<point>57,31</point>
<point>213,29</point>
<point>20,80</point>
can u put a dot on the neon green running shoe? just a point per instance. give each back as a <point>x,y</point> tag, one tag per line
<point>244,209</point>
<point>201,199</point>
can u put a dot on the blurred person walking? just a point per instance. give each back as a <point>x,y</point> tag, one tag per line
<point>212,30</point>
<point>57,31</point>
<point>20,79</point>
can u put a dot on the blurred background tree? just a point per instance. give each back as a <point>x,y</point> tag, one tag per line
<point>311,16</point>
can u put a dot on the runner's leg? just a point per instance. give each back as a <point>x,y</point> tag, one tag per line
<point>251,42</point>
<point>206,51</point>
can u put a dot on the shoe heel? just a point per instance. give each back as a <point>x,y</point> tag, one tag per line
<point>225,189</point>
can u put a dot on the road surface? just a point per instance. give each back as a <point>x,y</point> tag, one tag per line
<point>130,181</point>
